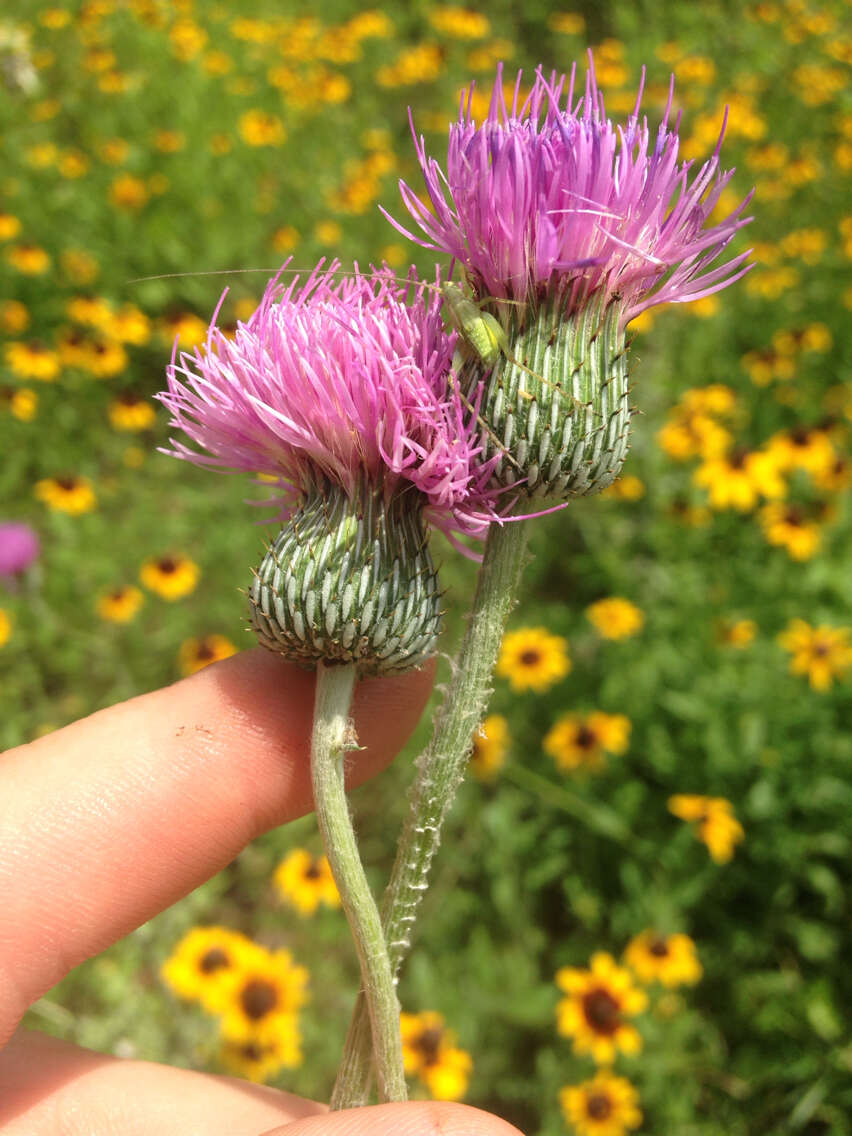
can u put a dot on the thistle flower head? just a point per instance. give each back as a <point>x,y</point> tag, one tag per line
<point>547,197</point>
<point>19,548</point>
<point>340,381</point>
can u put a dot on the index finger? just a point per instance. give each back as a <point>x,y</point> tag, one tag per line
<point>106,822</point>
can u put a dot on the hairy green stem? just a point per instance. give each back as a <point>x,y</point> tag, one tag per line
<point>332,737</point>
<point>440,769</point>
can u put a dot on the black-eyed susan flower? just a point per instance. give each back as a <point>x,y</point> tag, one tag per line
<point>788,526</point>
<point>260,128</point>
<point>628,487</point>
<point>128,192</point>
<point>103,358</point>
<point>581,741</point>
<point>615,617</point>
<point>671,960</point>
<point>186,328</point>
<point>14,316</point>
<point>33,360</point>
<point>93,311</point>
<point>603,1106</point>
<point>196,654</point>
<point>5,628</point>
<point>79,266</point>
<point>430,1054</point>
<point>129,325</point>
<point>809,449</point>
<point>70,494</point>
<point>835,477</point>
<point>305,882</point>
<point>736,632</point>
<point>490,747</point>
<point>260,1060</point>
<point>131,413</point>
<point>822,653</point>
<point>202,959</point>
<point>259,1000</point>
<point>120,605</point>
<point>73,348</point>
<point>21,402</point>
<point>595,1013</point>
<point>10,226</point>
<point>30,260</point>
<point>715,823</point>
<point>687,436</point>
<point>171,577</point>
<point>739,479</point>
<point>531,658</point>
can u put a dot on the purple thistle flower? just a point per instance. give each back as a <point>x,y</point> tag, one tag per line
<point>540,200</point>
<point>19,548</point>
<point>341,380</point>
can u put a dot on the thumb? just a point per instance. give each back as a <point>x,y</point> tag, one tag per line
<point>417,1118</point>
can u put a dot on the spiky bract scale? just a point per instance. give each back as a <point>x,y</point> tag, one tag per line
<point>556,409</point>
<point>350,580</point>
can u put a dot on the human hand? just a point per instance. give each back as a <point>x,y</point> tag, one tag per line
<point>107,822</point>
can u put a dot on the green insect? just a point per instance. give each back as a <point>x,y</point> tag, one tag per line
<point>482,332</point>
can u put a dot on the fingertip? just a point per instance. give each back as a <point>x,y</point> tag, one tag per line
<point>416,1118</point>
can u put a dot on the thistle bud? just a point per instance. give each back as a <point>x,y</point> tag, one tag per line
<point>555,409</point>
<point>350,580</point>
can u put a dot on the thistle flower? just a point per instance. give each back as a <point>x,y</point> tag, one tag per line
<point>566,228</point>
<point>19,548</point>
<point>339,393</point>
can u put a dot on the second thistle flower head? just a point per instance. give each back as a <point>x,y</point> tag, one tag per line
<point>566,227</point>
<point>338,389</point>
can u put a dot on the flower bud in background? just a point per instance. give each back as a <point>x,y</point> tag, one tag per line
<point>566,228</point>
<point>338,390</point>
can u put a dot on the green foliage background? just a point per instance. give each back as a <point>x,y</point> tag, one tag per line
<point>538,869</point>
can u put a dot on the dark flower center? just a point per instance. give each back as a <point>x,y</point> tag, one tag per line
<point>598,1106</point>
<point>258,998</point>
<point>800,436</point>
<point>585,738</point>
<point>214,959</point>
<point>128,399</point>
<point>530,658</point>
<point>252,1051</point>
<point>67,483</point>
<point>602,1011</point>
<point>36,347</point>
<point>737,459</point>
<point>313,871</point>
<point>429,1044</point>
<point>167,566</point>
<point>659,948</point>
<point>794,518</point>
<point>821,650</point>
<point>204,651</point>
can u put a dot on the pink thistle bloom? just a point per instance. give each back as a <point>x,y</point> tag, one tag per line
<point>19,548</point>
<point>542,200</point>
<point>338,379</point>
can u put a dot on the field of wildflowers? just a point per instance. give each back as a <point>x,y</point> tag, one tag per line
<point>639,916</point>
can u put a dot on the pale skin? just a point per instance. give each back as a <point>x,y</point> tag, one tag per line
<point>107,822</point>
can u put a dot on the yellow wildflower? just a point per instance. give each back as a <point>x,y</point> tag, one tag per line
<point>738,480</point>
<point>788,527</point>
<point>490,746</point>
<point>459,23</point>
<point>716,825</point>
<point>533,659</point>
<point>259,999</point>
<point>259,1061</point>
<point>128,192</point>
<point>73,495</point>
<point>131,413</point>
<point>22,402</point>
<point>604,1106</point>
<point>430,1054</point>
<point>669,959</point>
<point>737,633</point>
<point>32,360</point>
<point>616,617</point>
<point>171,577</point>
<point>9,226</point>
<point>14,316</point>
<point>580,741</point>
<point>599,1000</point>
<point>120,605</point>
<point>29,259</point>
<point>305,881</point>
<point>196,654</point>
<point>822,653</point>
<point>260,128</point>
<point>202,958</point>
<point>5,628</point>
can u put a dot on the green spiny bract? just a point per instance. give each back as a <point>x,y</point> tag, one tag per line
<point>350,580</point>
<point>555,408</point>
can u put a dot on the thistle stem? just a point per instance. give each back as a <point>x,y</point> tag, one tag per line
<point>332,737</point>
<point>440,769</point>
